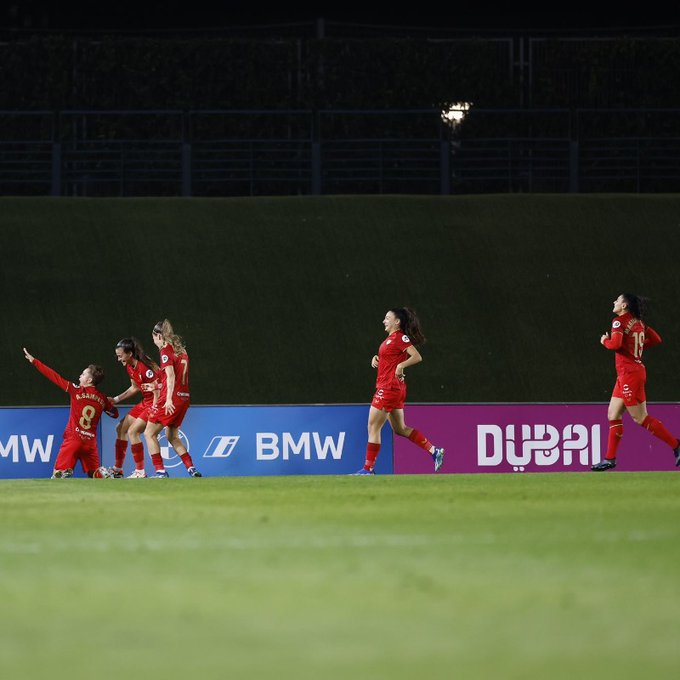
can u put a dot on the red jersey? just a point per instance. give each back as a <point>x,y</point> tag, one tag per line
<point>140,374</point>
<point>629,337</point>
<point>87,405</point>
<point>180,362</point>
<point>390,353</point>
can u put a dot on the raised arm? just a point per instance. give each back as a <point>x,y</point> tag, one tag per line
<point>47,371</point>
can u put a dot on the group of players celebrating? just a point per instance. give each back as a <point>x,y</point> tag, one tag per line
<point>164,387</point>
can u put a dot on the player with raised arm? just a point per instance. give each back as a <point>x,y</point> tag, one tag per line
<point>173,401</point>
<point>80,435</point>
<point>630,335</point>
<point>143,373</point>
<point>395,354</point>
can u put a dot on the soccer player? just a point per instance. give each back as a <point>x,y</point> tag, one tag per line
<point>143,371</point>
<point>80,435</point>
<point>395,354</point>
<point>630,335</point>
<point>173,401</point>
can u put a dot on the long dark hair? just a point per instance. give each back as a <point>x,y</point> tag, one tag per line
<point>638,305</point>
<point>409,324</point>
<point>132,346</point>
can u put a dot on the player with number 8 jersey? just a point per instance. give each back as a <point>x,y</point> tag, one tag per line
<point>87,406</point>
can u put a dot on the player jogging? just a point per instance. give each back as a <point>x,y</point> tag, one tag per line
<point>173,401</point>
<point>395,354</point>
<point>630,335</point>
<point>80,435</point>
<point>143,371</point>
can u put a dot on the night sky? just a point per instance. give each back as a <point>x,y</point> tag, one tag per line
<point>201,14</point>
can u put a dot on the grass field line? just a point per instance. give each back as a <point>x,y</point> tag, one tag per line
<point>180,543</point>
<point>190,544</point>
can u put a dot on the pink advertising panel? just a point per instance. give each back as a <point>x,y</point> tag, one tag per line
<point>530,438</point>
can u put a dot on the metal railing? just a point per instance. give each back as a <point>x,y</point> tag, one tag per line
<point>230,153</point>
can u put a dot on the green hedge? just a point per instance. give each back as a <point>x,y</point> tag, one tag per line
<point>281,299</point>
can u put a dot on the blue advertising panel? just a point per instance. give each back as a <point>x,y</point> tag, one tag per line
<point>30,439</point>
<point>222,440</point>
<point>265,440</point>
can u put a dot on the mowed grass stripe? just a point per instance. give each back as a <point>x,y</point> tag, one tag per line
<point>471,576</point>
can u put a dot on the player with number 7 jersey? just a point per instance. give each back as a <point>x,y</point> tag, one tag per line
<point>173,401</point>
<point>87,406</point>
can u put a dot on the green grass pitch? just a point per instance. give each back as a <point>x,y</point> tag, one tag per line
<point>399,577</point>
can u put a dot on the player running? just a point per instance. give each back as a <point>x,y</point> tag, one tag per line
<point>630,335</point>
<point>143,372</point>
<point>80,435</point>
<point>173,401</point>
<point>395,354</point>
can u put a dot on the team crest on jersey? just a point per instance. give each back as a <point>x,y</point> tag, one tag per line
<point>405,338</point>
<point>616,324</point>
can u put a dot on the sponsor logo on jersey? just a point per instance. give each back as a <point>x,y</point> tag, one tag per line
<point>405,338</point>
<point>164,359</point>
<point>149,374</point>
<point>616,324</point>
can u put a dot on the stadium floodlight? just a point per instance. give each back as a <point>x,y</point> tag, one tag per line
<point>455,113</point>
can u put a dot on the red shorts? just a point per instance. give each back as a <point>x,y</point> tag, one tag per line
<point>74,449</point>
<point>389,398</point>
<point>631,387</point>
<point>157,414</point>
<point>140,410</point>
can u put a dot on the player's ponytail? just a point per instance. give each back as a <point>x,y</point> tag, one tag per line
<point>165,330</point>
<point>132,346</point>
<point>638,305</point>
<point>409,324</point>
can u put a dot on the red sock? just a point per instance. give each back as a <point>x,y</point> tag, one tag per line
<point>658,429</point>
<point>186,459</point>
<point>121,448</point>
<point>372,451</point>
<point>614,439</point>
<point>421,440</point>
<point>157,461</point>
<point>138,455</point>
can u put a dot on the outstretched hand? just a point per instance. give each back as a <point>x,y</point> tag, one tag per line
<point>28,356</point>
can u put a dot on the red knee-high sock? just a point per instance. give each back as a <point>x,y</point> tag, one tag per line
<point>421,440</point>
<point>121,448</point>
<point>157,461</point>
<point>372,451</point>
<point>658,429</point>
<point>186,459</point>
<point>138,455</point>
<point>614,439</point>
